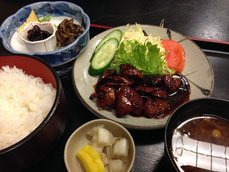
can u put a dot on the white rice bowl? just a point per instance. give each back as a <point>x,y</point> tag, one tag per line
<point>25,101</point>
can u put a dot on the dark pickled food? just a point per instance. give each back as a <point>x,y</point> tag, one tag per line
<point>67,32</point>
<point>130,92</point>
<point>36,34</point>
<point>202,144</point>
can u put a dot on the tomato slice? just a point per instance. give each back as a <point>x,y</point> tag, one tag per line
<point>175,58</point>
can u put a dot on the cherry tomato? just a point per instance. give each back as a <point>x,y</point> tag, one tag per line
<point>175,58</point>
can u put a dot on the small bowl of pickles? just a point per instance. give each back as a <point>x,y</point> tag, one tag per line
<point>59,57</point>
<point>39,37</point>
<point>100,145</point>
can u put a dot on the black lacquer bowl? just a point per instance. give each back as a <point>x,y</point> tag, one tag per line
<point>192,109</point>
<point>35,146</point>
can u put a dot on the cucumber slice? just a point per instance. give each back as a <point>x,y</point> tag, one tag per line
<point>103,57</point>
<point>117,34</point>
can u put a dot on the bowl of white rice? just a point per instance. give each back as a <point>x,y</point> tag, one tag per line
<point>32,110</point>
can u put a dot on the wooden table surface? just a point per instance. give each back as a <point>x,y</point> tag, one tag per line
<point>207,22</point>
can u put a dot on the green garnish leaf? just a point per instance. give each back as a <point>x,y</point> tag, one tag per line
<point>44,18</point>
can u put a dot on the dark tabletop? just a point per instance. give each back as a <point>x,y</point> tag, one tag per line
<point>206,22</point>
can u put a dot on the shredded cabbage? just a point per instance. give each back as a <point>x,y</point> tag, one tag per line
<point>136,34</point>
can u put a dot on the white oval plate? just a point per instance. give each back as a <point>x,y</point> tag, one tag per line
<point>197,69</point>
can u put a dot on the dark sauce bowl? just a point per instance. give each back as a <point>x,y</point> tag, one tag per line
<point>194,108</point>
<point>41,140</point>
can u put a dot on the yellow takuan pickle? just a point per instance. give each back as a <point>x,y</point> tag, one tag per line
<point>90,158</point>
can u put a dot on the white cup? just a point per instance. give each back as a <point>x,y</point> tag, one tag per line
<point>46,45</point>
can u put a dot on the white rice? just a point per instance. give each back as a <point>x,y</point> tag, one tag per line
<point>25,101</point>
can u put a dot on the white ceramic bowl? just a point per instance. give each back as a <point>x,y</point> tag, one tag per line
<point>46,45</point>
<point>78,139</point>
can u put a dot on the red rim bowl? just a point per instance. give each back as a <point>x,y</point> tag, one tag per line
<point>33,147</point>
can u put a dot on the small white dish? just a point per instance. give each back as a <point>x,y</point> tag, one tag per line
<point>46,45</point>
<point>79,138</point>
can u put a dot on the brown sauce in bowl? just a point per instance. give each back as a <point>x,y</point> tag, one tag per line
<point>202,144</point>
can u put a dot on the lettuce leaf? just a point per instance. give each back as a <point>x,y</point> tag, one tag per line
<point>145,57</point>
